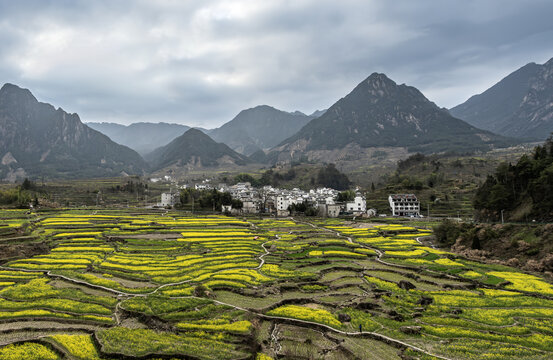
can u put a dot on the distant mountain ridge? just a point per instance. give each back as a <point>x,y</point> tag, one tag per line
<point>261,127</point>
<point>37,139</point>
<point>378,112</point>
<point>142,137</point>
<point>194,149</point>
<point>520,105</point>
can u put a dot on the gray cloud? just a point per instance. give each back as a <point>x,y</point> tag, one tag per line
<point>201,62</point>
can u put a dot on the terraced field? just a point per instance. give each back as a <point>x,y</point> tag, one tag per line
<point>129,284</point>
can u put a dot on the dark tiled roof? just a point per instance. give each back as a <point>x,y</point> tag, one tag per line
<point>403,197</point>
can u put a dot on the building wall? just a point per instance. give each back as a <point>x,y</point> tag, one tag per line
<point>168,199</point>
<point>358,204</point>
<point>401,207</point>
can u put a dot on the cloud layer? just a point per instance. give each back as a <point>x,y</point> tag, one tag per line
<point>201,62</point>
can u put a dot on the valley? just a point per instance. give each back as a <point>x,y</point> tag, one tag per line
<point>234,180</point>
<point>135,283</point>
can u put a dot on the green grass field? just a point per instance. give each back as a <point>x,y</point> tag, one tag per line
<point>110,284</point>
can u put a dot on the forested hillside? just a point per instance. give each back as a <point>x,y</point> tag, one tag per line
<point>523,191</point>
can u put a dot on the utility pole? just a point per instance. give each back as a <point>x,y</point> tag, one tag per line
<point>502,216</point>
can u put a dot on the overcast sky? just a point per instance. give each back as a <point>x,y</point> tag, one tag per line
<point>201,62</point>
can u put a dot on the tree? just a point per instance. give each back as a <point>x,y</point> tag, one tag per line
<point>27,184</point>
<point>304,208</point>
<point>208,199</point>
<point>526,186</point>
<point>331,177</point>
<point>345,196</point>
<point>410,161</point>
<point>243,177</point>
<point>237,204</point>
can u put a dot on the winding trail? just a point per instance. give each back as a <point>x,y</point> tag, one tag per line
<point>397,343</point>
<point>373,335</point>
<point>274,338</point>
<point>261,257</point>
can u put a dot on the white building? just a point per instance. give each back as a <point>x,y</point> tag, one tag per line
<point>358,205</point>
<point>169,199</point>
<point>282,203</point>
<point>404,205</point>
<point>243,186</point>
<point>203,186</point>
<point>250,207</point>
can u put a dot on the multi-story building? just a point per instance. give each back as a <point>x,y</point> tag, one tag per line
<point>404,205</point>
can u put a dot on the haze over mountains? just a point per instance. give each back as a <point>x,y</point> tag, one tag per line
<point>142,137</point>
<point>37,139</point>
<point>261,127</point>
<point>520,105</point>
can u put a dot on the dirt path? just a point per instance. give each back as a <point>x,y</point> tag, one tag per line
<point>374,335</point>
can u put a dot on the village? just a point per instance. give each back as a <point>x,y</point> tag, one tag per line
<point>324,202</point>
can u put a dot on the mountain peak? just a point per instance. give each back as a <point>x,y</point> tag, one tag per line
<point>48,141</point>
<point>260,127</point>
<point>195,132</point>
<point>517,106</point>
<point>194,149</point>
<point>378,80</point>
<point>379,113</point>
<point>262,107</point>
<point>14,91</point>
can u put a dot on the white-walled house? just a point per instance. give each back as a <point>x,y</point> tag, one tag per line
<point>169,199</point>
<point>250,206</point>
<point>282,203</point>
<point>404,205</point>
<point>358,205</point>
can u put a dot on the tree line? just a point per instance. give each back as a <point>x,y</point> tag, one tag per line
<point>207,199</point>
<point>521,190</point>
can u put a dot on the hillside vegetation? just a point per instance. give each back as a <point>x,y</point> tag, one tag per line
<point>528,247</point>
<point>446,183</point>
<point>523,191</point>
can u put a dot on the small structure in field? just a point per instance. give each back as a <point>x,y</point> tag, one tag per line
<point>169,199</point>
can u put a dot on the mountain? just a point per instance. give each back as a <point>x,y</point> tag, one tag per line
<point>380,113</point>
<point>259,157</point>
<point>520,105</point>
<point>38,140</point>
<point>194,149</point>
<point>261,127</point>
<point>142,137</point>
<point>317,113</point>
